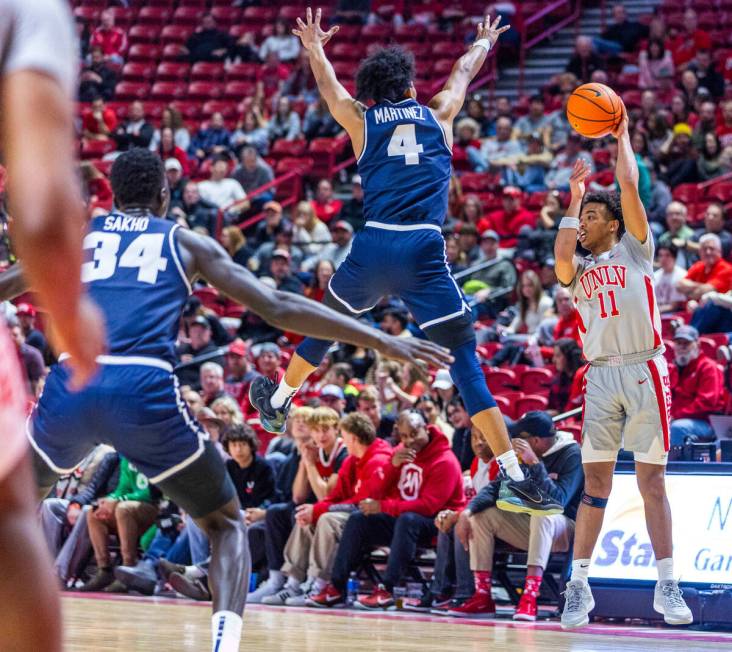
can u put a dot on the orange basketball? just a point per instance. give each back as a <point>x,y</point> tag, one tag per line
<point>594,110</point>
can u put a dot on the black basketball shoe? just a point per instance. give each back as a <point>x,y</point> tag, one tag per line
<point>260,394</point>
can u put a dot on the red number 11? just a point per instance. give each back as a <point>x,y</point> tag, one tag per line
<point>614,308</point>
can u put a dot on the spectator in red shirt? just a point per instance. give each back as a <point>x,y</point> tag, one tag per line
<point>111,39</point>
<point>508,221</point>
<point>423,479</point>
<point>710,274</point>
<point>326,208</point>
<point>685,46</point>
<point>98,188</point>
<point>272,75</point>
<point>99,122</point>
<point>565,391</point>
<point>239,373</point>
<point>168,149</point>
<point>568,323</point>
<point>697,388</point>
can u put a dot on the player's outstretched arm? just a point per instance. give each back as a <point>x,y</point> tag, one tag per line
<point>448,102</point>
<point>347,111</point>
<point>565,243</point>
<point>295,313</point>
<point>626,171</point>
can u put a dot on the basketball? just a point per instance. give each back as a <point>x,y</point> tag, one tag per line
<point>594,110</point>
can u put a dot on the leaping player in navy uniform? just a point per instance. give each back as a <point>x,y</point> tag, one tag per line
<point>139,268</point>
<point>404,152</point>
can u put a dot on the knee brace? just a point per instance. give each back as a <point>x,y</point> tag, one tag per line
<point>592,501</point>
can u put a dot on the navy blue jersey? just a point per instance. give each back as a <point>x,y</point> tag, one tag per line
<point>134,273</point>
<point>405,165</point>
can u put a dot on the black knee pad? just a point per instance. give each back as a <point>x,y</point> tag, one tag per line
<point>453,333</point>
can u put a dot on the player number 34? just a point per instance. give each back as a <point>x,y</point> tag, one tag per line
<point>143,253</point>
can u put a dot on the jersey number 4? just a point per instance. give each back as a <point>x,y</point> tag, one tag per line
<point>143,252</point>
<point>613,307</point>
<point>404,143</point>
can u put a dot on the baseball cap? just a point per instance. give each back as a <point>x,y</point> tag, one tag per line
<point>682,128</point>
<point>490,234</point>
<point>332,390</point>
<point>206,414</point>
<point>273,205</point>
<point>342,224</point>
<point>201,321</point>
<point>511,191</point>
<point>687,333</point>
<point>25,309</point>
<point>281,253</point>
<point>268,347</point>
<point>173,164</point>
<point>443,380</point>
<point>238,347</point>
<point>533,424</point>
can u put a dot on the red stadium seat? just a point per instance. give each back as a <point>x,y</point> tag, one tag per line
<point>187,15</point>
<point>448,50</point>
<point>166,91</point>
<point>408,33</point>
<point>198,4</point>
<point>123,16</point>
<point>128,91</point>
<point>283,148</point>
<point>504,405</point>
<point>153,15</point>
<point>173,52</point>
<point>345,52</point>
<point>89,14</point>
<point>536,381</point>
<point>207,71</point>
<point>686,193</point>
<point>143,34</point>
<point>238,90</point>
<point>226,109</point>
<point>203,91</point>
<point>173,71</point>
<point>574,428</point>
<point>242,72</point>
<point>477,182</point>
<point>500,380</point>
<point>292,12</point>
<point>324,152</point>
<point>442,67</point>
<point>189,110</point>
<point>175,33</point>
<point>721,191</point>
<point>143,52</point>
<point>375,34</point>
<point>138,71</point>
<point>302,164</point>
<point>96,148</point>
<point>529,403</point>
<point>343,69</point>
<point>259,14</point>
<point>708,347</point>
<point>154,110</point>
<point>226,15</point>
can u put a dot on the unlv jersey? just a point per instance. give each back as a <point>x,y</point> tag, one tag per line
<point>616,301</point>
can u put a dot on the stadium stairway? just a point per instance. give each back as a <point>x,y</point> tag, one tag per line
<point>551,56</point>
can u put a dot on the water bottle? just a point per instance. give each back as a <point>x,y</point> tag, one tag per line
<point>352,589</point>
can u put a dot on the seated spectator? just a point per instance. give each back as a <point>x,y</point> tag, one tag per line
<point>252,173</point>
<point>697,389</point>
<point>528,172</point>
<point>167,149</point>
<point>271,76</point>
<point>222,191</point>
<point>134,131</point>
<point>714,313</point>
<point>424,463</point>
<point>265,231</point>
<point>468,242</point>
<point>565,390</point>
<point>459,419</point>
<point>285,123</point>
<point>368,403</point>
<point>535,121</point>
<point>282,235</point>
<point>318,121</point>
<point>467,133</point>
<point>495,152</point>
<point>714,222</point>
<point>194,210</point>
<point>128,511</point>
<point>455,258</point>
<point>498,278</point>
<point>622,35</point>
<point>212,382</point>
<point>31,360</point>
<point>233,240</point>
<point>559,127</point>
<point>533,304</point>
<point>564,323</point>
<point>394,321</point>
<point>332,396</point>
<point>325,206</point>
<point>666,278</point>
<point>554,460</point>
<point>710,274</point>
<point>584,61</point>
<point>112,40</point>
<point>660,199</point>
<point>26,316</point>
<point>311,548</point>
<point>560,169</point>
<point>199,345</point>
<point>98,122</point>
<point>173,119</point>
<point>227,411</point>
<point>280,271</point>
<point>679,233</point>
<point>251,130</point>
<point>706,73</point>
<point>712,161</point>
<point>687,43</point>
<point>508,221</point>
<point>342,234</point>
<point>724,128</point>
<point>707,123</point>
<point>239,372</point>
<point>176,182</point>
<point>97,79</point>
<point>311,234</point>
<point>352,210</point>
<point>476,110</point>
<point>208,42</point>
<point>323,272</point>
<point>213,139</point>
<point>96,189</point>
<point>284,44</point>
<point>300,84</point>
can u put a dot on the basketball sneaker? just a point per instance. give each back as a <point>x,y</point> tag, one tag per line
<point>441,608</point>
<point>260,394</point>
<point>328,597</point>
<point>167,567</point>
<point>526,609</point>
<point>578,602</point>
<point>195,588</point>
<point>141,577</point>
<point>379,599</point>
<point>525,497</point>
<point>668,600</point>
<point>425,603</point>
<point>480,605</point>
<point>280,598</point>
<point>300,600</point>
<point>270,587</point>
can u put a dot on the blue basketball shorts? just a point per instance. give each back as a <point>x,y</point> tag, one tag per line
<point>404,260</point>
<point>136,408</point>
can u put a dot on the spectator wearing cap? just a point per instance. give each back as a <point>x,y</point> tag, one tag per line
<point>110,39</point>
<point>194,308</point>
<point>499,279</point>
<point>225,193</point>
<point>554,460</point>
<point>444,386</point>
<point>196,212</point>
<point>311,234</point>
<point>467,134</point>
<point>336,251</point>
<point>325,205</point>
<point>352,211</point>
<point>459,418</point>
<point>176,180</point>
<point>697,389</point>
<point>280,271</point>
<point>710,274</point>
<point>30,359</point>
<point>26,315</point>
<point>560,170</point>
<point>496,151</point>
<point>266,228</point>
<point>334,397</point>
<point>509,220</point>
<point>283,235</point>
<point>200,345</point>
<point>239,372</point>
<point>252,173</point>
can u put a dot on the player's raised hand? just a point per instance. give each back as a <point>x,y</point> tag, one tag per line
<point>413,349</point>
<point>490,30</point>
<point>622,128</point>
<point>580,172</point>
<point>310,32</point>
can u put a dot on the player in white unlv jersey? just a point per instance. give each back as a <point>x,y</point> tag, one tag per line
<point>38,61</point>
<point>626,388</point>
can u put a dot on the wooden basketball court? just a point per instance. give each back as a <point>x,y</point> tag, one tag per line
<point>102,624</point>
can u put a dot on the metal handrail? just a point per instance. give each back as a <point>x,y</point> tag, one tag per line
<point>479,267</point>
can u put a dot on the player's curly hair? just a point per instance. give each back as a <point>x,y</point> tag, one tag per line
<point>137,177</point>
<point>385,75</point>
<point>611,201</point>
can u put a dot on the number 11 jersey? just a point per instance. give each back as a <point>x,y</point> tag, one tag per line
<point>133,270</point>
<point>405,165</point>
<point>616,301</point>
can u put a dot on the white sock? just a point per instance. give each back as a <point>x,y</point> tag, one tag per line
<point>292,583</point>
<point>225,631</point>
<point>282,394</point>
<point>510,465</point>
<point>195,572</point>
<point>318,585</point>
<point>276,578</point>
<point>580,570</point>
<point>665,569</point>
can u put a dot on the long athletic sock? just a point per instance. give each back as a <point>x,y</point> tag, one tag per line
<point>225,631</point>
<point>532,585</point>
<point>580,570</point>
<point>283,393</point>
<point>665,569</point>
<point>510,465</point>
<point>483,581</point>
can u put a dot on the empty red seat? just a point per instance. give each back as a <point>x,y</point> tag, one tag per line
<point>447,50</point>
<point>242,72</point>
<point>207,71</point>
<point>96,148</point>
<point>721,191</point>
<point>345,52</point>
<point>302,164</point>
<point>143,52</point>
<point>282,148</point>
<point>407,32</point>
<point>529,403</point>
<point>126,91</point>
<point>292,12</point>
<point>226,109</point>
<point>536,381</point>
<point>477,181</point>
<point>197,4</point>
<point>504,405</point>
<point>153,15</point>
<point>187,15</point>
<point>500,380</point>
<point>260,14</point>
<point>344,68</point>
<point>204,90</point>
<point>708,347</point>
<point>226,15</point>
<point>238,90</point>
<point>164,91</point>
<point>324,152</point>
<point>173,71</point>
<point>138,71</point>
<point>175,33</point>
<point>375,33</point>
<point>143,34</point>
<point>189,110</point>
<point>154,110</point>
<point>173,52</point>
<point>89,14</point>
<point>688,193</point>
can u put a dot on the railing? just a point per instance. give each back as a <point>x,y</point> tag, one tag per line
<point>528,43</point>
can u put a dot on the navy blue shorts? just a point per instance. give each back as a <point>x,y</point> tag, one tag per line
<point>135,408</point>
<point>408,263</point>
